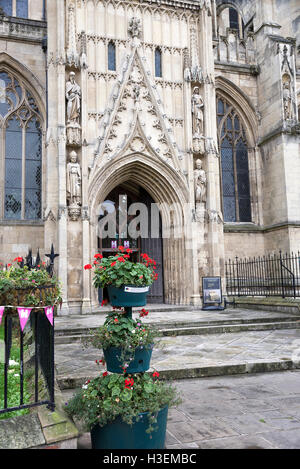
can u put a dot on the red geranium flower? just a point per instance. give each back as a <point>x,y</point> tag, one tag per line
<point>105,374</point>
<point>18,259</point>
<point>155,375</point>
<point>98,256</point>
<point>121,248</point>
<point>88,267</point>
<point>121,259</point>
<point>129,383</point>
<point>113,264</point>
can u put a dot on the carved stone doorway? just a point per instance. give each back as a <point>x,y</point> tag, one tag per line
<point>123,196</point>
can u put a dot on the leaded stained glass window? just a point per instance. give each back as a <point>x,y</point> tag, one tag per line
<point>234,164</point>
<point>158,63</point>
<point>6,6</point>
<point>111,56</point>
<point>21,146</point>
<point>22,8</point>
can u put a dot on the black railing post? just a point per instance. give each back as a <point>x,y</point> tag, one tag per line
<point>281,274</point>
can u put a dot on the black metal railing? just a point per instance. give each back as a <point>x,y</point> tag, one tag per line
<point>272,275</point>
<point>35,347</point>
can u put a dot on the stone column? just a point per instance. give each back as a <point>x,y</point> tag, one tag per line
<point>279,132</point>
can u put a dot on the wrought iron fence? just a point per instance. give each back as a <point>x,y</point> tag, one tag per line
<point>273,275</point>
<point>38,339</point>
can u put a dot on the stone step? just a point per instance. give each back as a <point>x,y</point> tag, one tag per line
<point>75,381</point>
<point>230,328</point>
<point>175,329</point>
<point>192,356</point>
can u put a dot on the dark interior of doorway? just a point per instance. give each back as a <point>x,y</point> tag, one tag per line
<point>152,246</point>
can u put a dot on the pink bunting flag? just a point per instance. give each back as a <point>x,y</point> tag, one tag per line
<point>24,314</point>
<point>1,313</point>
<point>49,314</point>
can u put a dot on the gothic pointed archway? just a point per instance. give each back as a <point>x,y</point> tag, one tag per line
<point>168,189</point>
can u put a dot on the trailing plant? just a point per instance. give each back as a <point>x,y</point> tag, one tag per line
<point>21,286</point>
<point>123,332</point>
<point>107,397</point>
<point>118,270</point>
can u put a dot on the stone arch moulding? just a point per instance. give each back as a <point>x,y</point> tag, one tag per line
<point>30,80</point>
<point>223,4</point>
<point>165,186</point>
<point>243,105</point>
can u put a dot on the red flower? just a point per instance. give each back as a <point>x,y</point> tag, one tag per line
<point>18,259</point>
<point>126,256</point>
<point>88,267</point>
<point>155,375</point>
<point>116,320</point>
<point>104,302</point>
<point>129,251</point>
<point>129,383</point>
<point>121,248</point>
<point>121,259</point>
<point>98,256</point>
<point>105,374</point>
<point>8,265</point>
<point>113,264</point>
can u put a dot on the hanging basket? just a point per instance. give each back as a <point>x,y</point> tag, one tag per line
<point>39,296</point>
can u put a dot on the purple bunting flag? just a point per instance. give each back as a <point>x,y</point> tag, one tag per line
<point>49,313</point>
<point>24,314</point>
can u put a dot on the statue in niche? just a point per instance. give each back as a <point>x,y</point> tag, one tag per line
<point>73,95</point>
<point>287,99</point>
<point>74,181</point>
<point>197,111</point>
<point>200,183</point>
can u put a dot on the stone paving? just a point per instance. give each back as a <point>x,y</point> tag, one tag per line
<point>190,352</point>
<point>260,411</point>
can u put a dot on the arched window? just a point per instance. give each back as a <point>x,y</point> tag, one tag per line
<point>111,56</point>
<point>158,63</point>
<point>234,164</point>
<point>6,6</point>
<point>21,150</point>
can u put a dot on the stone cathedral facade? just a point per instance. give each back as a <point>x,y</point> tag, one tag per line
<point>189,104</point>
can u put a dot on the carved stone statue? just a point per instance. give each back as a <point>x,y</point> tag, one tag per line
<point>200,182</point>
<point>287,100</point>
<point>74,181</point>
<point>73,95</point>
<point>197,111</point>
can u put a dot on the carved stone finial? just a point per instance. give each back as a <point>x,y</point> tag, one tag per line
<point>135,28</point>
<point>72,54</point>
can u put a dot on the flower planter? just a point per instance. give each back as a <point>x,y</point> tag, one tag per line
<point>128,296</point>
<point>120,435</point>
<point>17,296</point>
<point>139,364</point>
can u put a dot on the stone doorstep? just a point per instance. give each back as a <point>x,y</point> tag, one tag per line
<point>57,428</point>
<point>264,366</point>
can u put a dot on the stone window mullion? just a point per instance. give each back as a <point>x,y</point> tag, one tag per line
<point>23,170</point>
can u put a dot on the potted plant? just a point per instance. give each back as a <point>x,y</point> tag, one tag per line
<point>21,286</point>
<point>127,343</point>
<point>126,411</point>
<point>127,282</point>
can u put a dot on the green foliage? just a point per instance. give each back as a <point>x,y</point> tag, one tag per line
<point>13,382</point>
<point>118,270</point>
<point>121,331</point>
<point>105,398</point>
<point>19,285</point>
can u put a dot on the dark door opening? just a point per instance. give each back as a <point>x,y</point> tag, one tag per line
<point>123,196</point>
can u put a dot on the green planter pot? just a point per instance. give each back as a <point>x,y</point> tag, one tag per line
<point>139,364</point>
<point>120,435</point>
<point>128,295</point>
